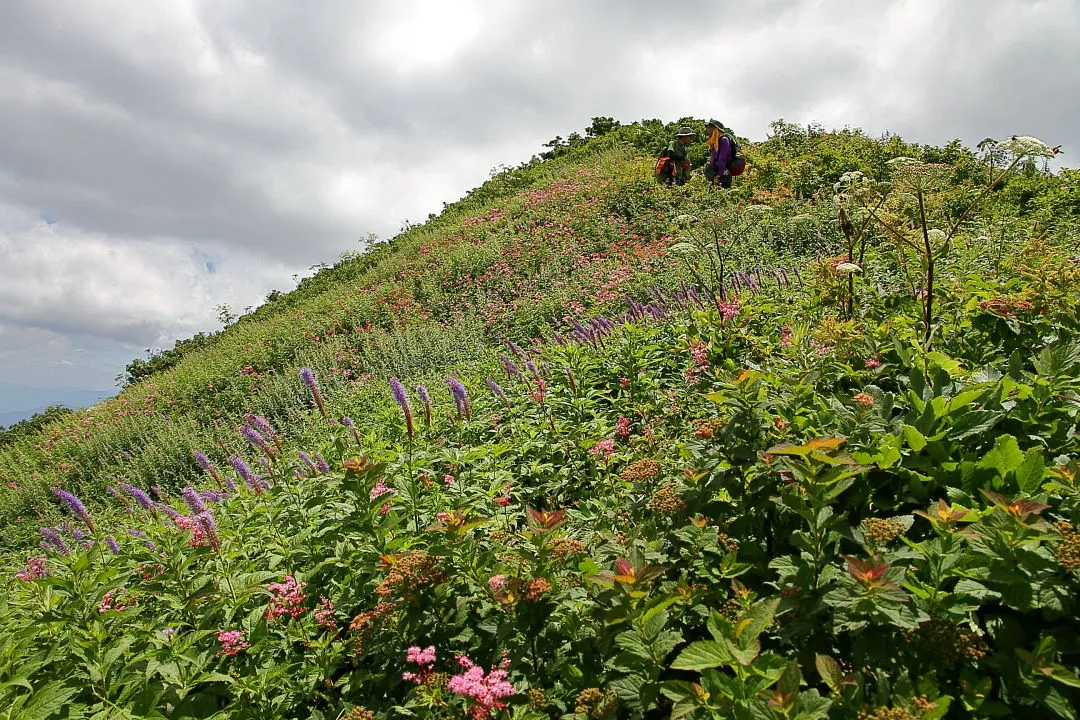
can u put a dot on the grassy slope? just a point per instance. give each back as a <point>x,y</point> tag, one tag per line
<point>560,237</point>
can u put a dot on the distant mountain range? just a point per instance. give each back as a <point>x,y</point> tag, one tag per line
<point>19,402</point>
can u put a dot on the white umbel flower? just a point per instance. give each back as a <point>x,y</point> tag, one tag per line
<point>1020,145</point>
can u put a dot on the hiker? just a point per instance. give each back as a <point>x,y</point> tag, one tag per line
<point>724,158</point>
<point>673,168</point>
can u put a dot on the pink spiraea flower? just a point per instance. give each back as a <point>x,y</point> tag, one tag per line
<point>115,599</point>
<point>603,449</point>
<point>324,614</point>
<point>232,642</point>
<point>424,658</point>
<point>35,568</point>
<point>622,427</point>
<point>286,598</point>
<point>487,690</point>
<point>379,490</point>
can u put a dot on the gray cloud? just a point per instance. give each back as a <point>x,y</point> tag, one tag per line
<point>264,137</point>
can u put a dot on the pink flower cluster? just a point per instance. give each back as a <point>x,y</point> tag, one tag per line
<point>486,690</point>
<point>379,490</point>
<point>603,449</point>
<point>35,568</point>
<point>504,499</point>
<point>286,598</point>
<point>699,355</point>
<point>232,642</point>
<point>872,363</point>
<point>622,427</point>
<point>324,614</point>
<point>495,582</point>
<point>114,600</point>
<point>728,310</point>
<point>785,336</point>
<point>424,658</point>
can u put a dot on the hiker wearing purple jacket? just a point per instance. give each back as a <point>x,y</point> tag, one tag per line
<point>716,170</point>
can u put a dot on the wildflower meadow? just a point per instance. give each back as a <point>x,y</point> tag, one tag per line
<point>587,447</point>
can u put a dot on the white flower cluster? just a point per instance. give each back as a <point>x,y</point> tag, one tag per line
<point>1025,145</point>
<point>903,161</point>
<point>849,181</point>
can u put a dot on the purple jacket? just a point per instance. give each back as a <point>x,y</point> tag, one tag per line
<point>720,158</point>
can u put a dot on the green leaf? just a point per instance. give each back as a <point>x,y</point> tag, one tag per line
<point>1004,457</point>
<point>1031,471</point>
<point>791,679</point>
<point>914,439</point>
<point>760,616</point>
<point>829,670</point>
<point>702,655</point>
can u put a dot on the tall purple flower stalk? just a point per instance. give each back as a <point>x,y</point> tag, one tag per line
<point>347,422</point>
<point>209,528</point>
<point>425,400</point>
<point>511,369</point>
<point>308,462</point>
<point>518,352</point>
<point>254,437</point>
<point>144,501</point>
<point>402,400</point>
<point>324,467</point>
<point>308,377</point>
<point>208,467</point>
<point>245,473</point>
<point>461,398</point>
<point>194,502</point>
<point>74,505</point>
<point>53,541</point>
<point>499,393</point>
<point>113,545</point>
<point>264,427</point>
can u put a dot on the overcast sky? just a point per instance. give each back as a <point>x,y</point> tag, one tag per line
<point>160,158</point>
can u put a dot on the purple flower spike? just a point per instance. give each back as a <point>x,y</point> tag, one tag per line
<point>254,437</point>
<point>206,524</point>
<point>168,510</point>
<point>518,352</point>
<point>53,541</point>
<point>347,421</point>
<point>75,506</point>
<point>512,370</point>
<point>324,467</point>
<point>308,378</point>
<point>203,461</point>
<point>306,459</point>
<point>245,473</point>
<point>260,424</point>
<point>402,400</point>
<point>499,393</point>
<point>461,398</point>
<point>194,502</point>
<point>136,533</point>
<point>425,400</point>
<point>113,545</point>
<point>78,534</point>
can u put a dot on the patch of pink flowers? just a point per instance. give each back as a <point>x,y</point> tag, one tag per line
<point>487,690</point>
<point>728,310</point>
<point>232,642</point>
<point>872,363</point>
<point>495,582</point>
<point>622,427</point>
<point>448,480</point>
<point>785,336</point>
<point>35,568</point>
<point>423,658</point>
<point>286,598</point>
<point>114,600</point>
<point>324,614</point>
<point>504,499</point>
<point>603,449</point>
<point>379,490</point>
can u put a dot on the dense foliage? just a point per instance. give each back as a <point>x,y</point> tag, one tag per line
<point>805,449</point>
